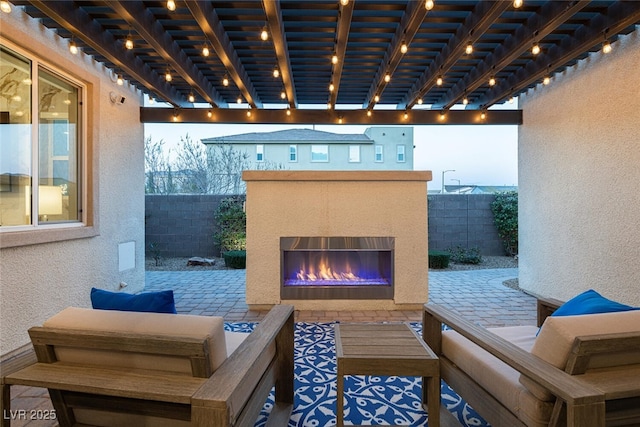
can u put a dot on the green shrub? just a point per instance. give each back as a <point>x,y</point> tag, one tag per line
<point>464,255</point>
<point>505,217</point>
<point>232,225</point>
<point>235,259</point>
<point>438,259</point>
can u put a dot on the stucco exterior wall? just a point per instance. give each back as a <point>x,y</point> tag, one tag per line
<point>38,280</point>
<point>579,183</point>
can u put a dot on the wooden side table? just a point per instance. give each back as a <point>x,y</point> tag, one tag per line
<point>385,349</point>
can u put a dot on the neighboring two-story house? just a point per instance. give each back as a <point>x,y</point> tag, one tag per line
<point>378,148</point>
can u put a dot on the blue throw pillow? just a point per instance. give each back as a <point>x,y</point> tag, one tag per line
<point>155,302</point>
<point>590,302</point>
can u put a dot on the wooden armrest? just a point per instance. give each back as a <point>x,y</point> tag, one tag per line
<point>566,387</point>
<point>133,383</point>
<point>232,384</point>
<point>546,307</point>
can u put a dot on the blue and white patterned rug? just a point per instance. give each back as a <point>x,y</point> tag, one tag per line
<point>369,400</point>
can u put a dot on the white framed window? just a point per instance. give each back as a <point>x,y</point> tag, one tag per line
<point>400,157</point>
<point>42,163</point>
<point>354,154</point>
<point>319,153</point>
<point>293,153</point>
<point>259,153</point>
<point>379,154</point>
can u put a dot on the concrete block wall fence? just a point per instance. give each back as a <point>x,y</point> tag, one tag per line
<point>182,225</point>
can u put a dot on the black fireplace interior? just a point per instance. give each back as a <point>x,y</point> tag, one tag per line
<point>337,267</point>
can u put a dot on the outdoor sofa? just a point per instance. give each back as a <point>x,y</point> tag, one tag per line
<point>577,371</point>
<point>117,368</point>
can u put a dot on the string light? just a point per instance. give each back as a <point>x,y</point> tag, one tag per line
<point>73,47</point>
<point>465,100</point>
<point>376,98</point>
<point>368,113</point>
<point>209,114</point>
<point>334,59</point>
<point>428,4</point>
<point>606,47</point>
<point>288,111</point>
<point>128,43</point>
<point>328,106</point>
<point>511,100</point>
<point>404,48</point>
<point>340,120</point>
<point>248,113</point>
<point>175,116</point>
<point>483,115</point>
<point>442,115</point>
<point>120,80</point>
<point>283,95</point>
<point>191,98</point>
<point>546,80</point>
<point>225,81</point>
<point>239,100</point>
<point>469,49</point>
<point>405,116</point>
<point>276,73</point>
<point>420,101</point>
<point>344,2</point>
<point>264,35</point>
<point>387,78</point>
<point>5,6</point>
<point>152,100</point>
<point>167,76</point>
<point>535,49</point>
<point>439,81</point>
<point>331,87</point>
<point>492,81</point>
<point>205,50</point>
<point>518,3</point>
<point>171,5</point>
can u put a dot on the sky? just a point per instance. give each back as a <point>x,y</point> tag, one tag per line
<point>479,155</point>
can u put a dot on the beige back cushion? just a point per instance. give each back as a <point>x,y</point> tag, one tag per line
<point>557,335</point>
<point>199,327</point>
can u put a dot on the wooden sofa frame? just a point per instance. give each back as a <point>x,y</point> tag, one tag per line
<point>591,399</point>
<point>233,395</point>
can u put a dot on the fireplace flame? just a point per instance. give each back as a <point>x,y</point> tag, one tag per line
<point>322,271</point>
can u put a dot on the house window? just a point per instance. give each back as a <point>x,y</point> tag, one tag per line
<point>378,154</point>
<point>354,154</point>
<point>293,153</point>
<point>259,153</point>
<point>319,153</point>
<point>400,153</point>
<point>41,163</point>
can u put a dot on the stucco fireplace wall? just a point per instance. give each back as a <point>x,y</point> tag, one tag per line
<point>345,203</point>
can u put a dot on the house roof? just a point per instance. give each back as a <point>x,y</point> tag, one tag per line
<point>366,38</point>
<point>292,135</point>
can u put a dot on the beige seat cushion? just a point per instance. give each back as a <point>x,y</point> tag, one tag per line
<point>496,377</point>
<point>162,324</point>
<point>557,335</point>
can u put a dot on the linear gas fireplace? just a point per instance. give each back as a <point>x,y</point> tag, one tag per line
<point>336,267</point>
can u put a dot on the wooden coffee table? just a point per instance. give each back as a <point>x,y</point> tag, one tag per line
<point>385,349</point>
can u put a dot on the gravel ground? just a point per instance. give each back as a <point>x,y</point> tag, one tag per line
<point>180,264</point>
